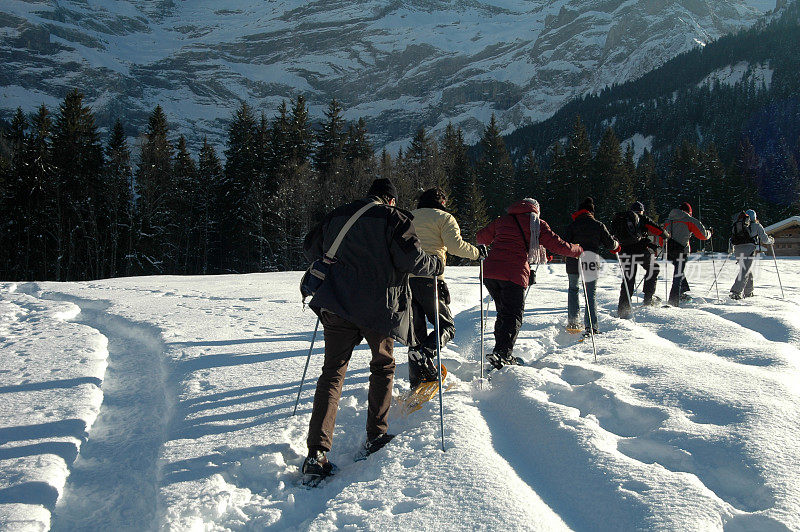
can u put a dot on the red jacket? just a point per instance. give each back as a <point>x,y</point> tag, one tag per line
<point>508,258</point>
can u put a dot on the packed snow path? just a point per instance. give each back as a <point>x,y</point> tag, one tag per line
<point>687,421</point>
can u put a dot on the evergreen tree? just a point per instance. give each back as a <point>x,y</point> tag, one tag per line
<point>684,178</point>
<point>420,169</point>
<point>119,199</point>
<point>556,198</point>
<point>613,185</point>
<point>330,143</point>
<point>242,232</point>
<point>301,137</point>
<point>646,179</point>
<point>13,199</point>
<point>155,186</point>
<point>457,171</point>
<point>36,180</point>
<point>209,181</point>
<point>184,205</point>
<point>578,160</point>
<point>530,178</point>
<point>495,172</point>
<point>78,162</point>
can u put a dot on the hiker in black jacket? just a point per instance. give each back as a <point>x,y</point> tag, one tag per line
<point>637,249</point>
<point>591,235</point>
<point>365,295</point>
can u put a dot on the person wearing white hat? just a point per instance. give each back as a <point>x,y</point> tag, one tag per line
<point>747,234</point>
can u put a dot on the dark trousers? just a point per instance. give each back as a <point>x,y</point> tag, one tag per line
<point>509,300</point>
<point>423,311</point>
<point>679,282</point>
<point>630,263</point>
<point>341,337</point>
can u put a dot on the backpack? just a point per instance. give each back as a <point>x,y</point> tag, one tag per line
<point>625,227</point>
<point>740,230</point>
<point>320,268</point>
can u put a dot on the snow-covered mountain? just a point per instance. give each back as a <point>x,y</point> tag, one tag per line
<point>397,64</point>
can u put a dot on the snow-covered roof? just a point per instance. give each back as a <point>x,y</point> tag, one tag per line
<point>785,223</point>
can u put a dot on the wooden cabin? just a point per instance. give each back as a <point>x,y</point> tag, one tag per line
<point>787,236</point>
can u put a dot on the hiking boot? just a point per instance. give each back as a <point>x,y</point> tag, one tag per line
<point>317,467</point>
<point>748,294</point>
<point>735,296</point>
<point>498,360</point>
<point>624,313</point>
<point>422,358</point>
<point>589,332</point>
<point>651,301</point>
<point>370,446</point>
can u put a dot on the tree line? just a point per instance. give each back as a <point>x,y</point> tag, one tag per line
<point>77,208</point>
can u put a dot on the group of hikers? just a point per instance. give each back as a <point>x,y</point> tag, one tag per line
<point>384,273</point>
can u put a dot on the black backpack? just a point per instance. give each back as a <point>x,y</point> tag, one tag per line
<point>625,227</point>
<point>740,230</point>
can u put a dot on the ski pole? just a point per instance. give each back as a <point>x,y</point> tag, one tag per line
<point>308,359</point>
<point>772,246</point>
<point>439,355</point>
<point>480,305</point>
<point>586,300</point>
<point>714,263</point>
<point>625,282</point>
<point>716,277</point>
<point>666,286</point>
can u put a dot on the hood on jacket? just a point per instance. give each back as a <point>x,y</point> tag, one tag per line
<point>576,215</point>
<point>524,206</point>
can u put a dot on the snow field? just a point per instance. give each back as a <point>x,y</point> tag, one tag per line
<point>687,421</point>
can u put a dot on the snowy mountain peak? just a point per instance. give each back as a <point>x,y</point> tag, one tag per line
<point>400,65</point>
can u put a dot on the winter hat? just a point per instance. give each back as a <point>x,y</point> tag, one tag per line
<point>383,188</point>
<point>534,203</point>
<point>685,207</point>
<point>587,204</point>
<point>433,198</point>
<point>637,206</point>
<point>751,214</point>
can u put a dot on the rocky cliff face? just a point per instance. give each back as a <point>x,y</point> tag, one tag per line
<point>399,65</point>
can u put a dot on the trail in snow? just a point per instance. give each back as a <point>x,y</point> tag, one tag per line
<point>688,420</point>
<point>114,481</point>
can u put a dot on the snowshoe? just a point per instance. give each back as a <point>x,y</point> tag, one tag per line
<point>624,313</point>
<point>735,296</point>
<point>421,394</point>
<point>316,468</point>
<point>574,328</point>
<point>373,445</point>
<point>498,360</point>
<point>751,294</point>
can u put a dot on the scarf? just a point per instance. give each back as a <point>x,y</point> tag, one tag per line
<point>536,252</point>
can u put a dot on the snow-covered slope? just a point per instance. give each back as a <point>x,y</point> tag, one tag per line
<point>687,421</point>
<point>398,64</point>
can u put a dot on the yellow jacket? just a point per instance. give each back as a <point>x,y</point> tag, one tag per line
<point>438,233</point>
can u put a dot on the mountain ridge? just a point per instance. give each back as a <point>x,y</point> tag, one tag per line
<point>398,65</point>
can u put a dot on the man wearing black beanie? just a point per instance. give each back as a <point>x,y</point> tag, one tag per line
<point>365,295</point>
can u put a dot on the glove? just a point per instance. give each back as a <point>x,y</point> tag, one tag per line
<point>444,292</point>
<point>654,247</point>
<point>616,249</point>
<point>483,251</point>
<point>439,266</point>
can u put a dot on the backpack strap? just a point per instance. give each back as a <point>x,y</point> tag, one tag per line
<point>331,253</point>
<point>521,230</point>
